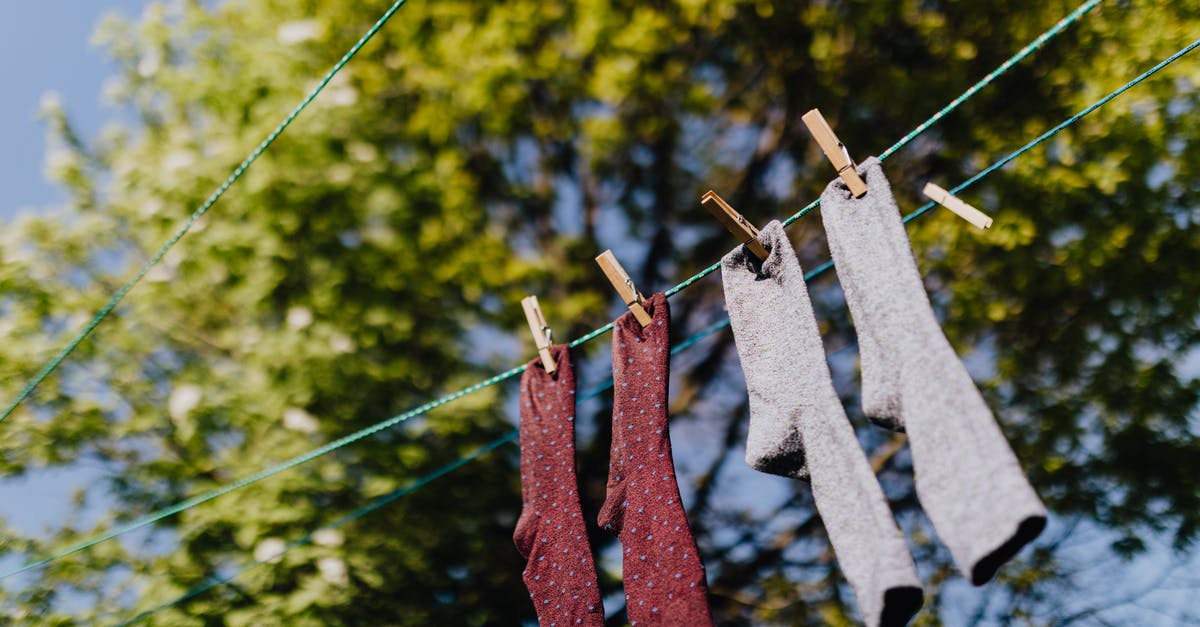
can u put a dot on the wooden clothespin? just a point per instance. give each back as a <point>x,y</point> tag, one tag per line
<point>835,151</point>
<point>955,204</point>
<point>741,228</point>
<point>624,285</point>
<point>540,330</point>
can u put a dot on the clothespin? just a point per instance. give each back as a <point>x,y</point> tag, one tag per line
<point>540,330</point>
<point>955,204</point>
<point>835,151</point>
<point>624,285</point>
<point>741,228</point>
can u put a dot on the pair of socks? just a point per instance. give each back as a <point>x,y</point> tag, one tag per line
<point>663,575</point>
<point>967,478</point>
<point>799,429</point>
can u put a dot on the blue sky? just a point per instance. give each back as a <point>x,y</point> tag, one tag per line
<point>45,47</point>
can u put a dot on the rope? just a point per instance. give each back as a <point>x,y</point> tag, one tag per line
<point>420,482</point>
<point>1037,43</point>
<point>214,581</point>
<point>358,435</point>
<point>1062,24</point>
<point>1064,124</point>
<point>263,474</point>
<point>684,345</point>
<point>689,342</point>
<point>116,298</point>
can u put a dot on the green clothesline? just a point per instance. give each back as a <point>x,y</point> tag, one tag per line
<point>684,345</point>
<point>416,484</point>
<point>61,355</point>
<point>347,440</point>
<point>53,364</point>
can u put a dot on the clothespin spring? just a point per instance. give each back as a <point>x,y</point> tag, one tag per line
<point>637,296</point>
<point>850,165</point>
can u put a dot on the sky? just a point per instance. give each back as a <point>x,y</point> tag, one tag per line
<point>45,46</point>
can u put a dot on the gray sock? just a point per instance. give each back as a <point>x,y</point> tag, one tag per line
<point>799,429</point>
<point>967,478</point>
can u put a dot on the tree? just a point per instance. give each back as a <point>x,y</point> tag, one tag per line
<point>474,152</point>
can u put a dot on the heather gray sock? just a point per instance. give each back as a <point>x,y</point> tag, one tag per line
<point>967,478</point>
<point>799,429</point>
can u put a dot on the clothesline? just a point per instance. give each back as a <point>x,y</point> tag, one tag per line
<point>55,361</point>
<point>53,364</point>
<point>371,430</point>
<point>682,346</point>
<point>687,343</point>
<point>416,484</point>
<point>420,482</point>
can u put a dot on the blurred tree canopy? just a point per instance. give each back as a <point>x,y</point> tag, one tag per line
<point>474,152</point>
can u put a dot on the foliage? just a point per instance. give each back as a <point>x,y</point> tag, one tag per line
<point>475,152</point>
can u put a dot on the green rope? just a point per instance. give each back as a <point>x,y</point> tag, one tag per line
<point>1064,124</point>
<point>346,440</point>
<point>593,335</point>
<point>112,303</point>
<point>417,484</point>
<point>687,343</point>
<point>213,582</point>
<point>263,474</point>
<point>1053,32</point>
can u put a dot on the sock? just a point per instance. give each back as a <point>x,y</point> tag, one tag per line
<point>664,577</point>
<point>550,534</point>
<point>967,478</point>
<point>799,429</point>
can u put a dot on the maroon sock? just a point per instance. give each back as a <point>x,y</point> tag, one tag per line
<point>550,534</point>
<point>664,577</point>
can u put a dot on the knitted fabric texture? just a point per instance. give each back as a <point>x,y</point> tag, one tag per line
<point>799,429</point>
<point>550,534</point>
<point>663,575</point>
<point>967,478</point>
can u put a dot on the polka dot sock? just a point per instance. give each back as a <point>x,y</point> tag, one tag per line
<point>550,534</point>
<point>664,577</point>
